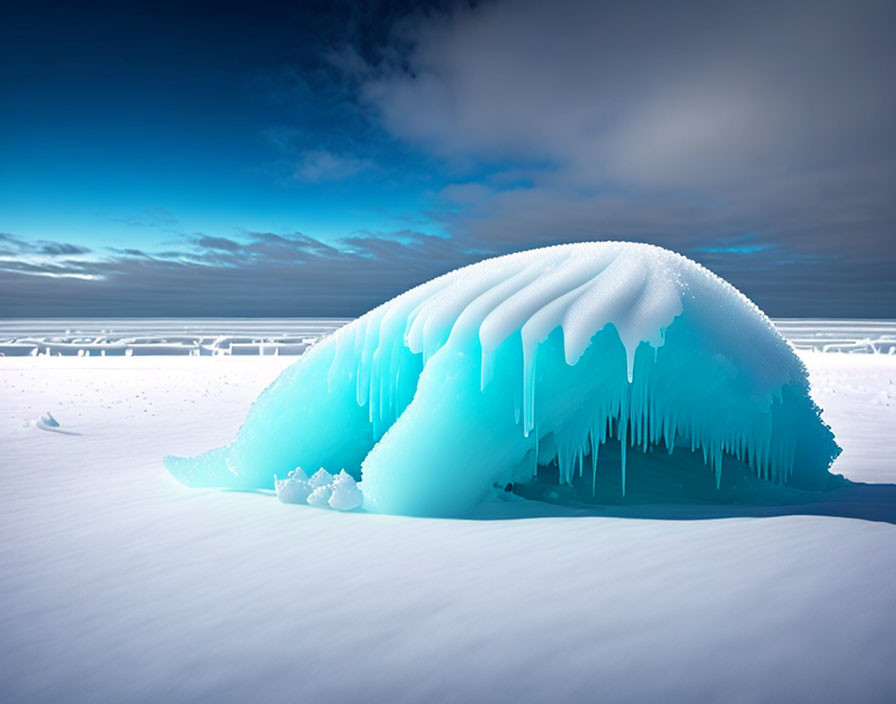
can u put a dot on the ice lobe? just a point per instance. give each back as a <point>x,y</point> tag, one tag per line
<point>537,358</point>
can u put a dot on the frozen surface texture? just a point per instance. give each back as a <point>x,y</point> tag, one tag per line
<point>120,585</point>
<point>481,376</point>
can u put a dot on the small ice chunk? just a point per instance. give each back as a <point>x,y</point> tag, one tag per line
<point>320,497</point>
<point>47,422</point>
<point>321,478</point>
<point>292,490</point>
<point>346,494</point>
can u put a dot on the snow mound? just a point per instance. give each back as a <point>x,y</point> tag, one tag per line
<point>483,375</point>
<point>295,489</point>
<point>323,490</point>
<point>320,497</point>
<point>320,478</point>
<point>346,495</point>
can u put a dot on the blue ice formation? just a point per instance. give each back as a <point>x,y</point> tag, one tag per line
<point>481,376</point>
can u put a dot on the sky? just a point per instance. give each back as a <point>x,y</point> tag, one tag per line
<point>237,159</point>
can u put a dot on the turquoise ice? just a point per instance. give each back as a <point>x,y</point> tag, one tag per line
<point>480,377</point>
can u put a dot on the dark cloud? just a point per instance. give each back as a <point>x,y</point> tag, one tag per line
<point>295,247</point>
<point>297,275</point>
<point>62,248</point>
<point>271,275</point>
<point>658,94</point>
<point>681,124</point>
<point>12,246</point>
<point>9,245</point>
<point>223,243</point>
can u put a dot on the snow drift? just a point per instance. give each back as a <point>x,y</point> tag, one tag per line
<point>485,375</point>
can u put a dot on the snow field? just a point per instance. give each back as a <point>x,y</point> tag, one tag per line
<point>119,584</point>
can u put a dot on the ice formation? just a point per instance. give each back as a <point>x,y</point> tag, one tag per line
<point>47,422</point>
<point>320,478</point>
<point>295,489</point>
<point>322,490</point>
<point>483,375</point>
<point>320,497</point>
<point>346,495</point>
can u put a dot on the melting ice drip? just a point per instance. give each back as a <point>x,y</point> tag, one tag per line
<point>488,372</point>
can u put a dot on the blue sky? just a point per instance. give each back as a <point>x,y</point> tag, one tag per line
<point>134,117</point>
<point>234,159</point>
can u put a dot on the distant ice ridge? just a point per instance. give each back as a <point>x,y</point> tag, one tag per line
<point>135,336</point>
<point>293,336</point>
<point>484,375</point>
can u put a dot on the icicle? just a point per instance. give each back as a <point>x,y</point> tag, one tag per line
<point>623,433</point>
<point>529,353</point>
<point>717,461</point>
<point>535,460</point>
<point>594,448</point>
<point>630,363</point>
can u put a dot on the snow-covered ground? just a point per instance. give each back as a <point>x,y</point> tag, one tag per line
<point>184,336</point>
<point>118,584</point>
